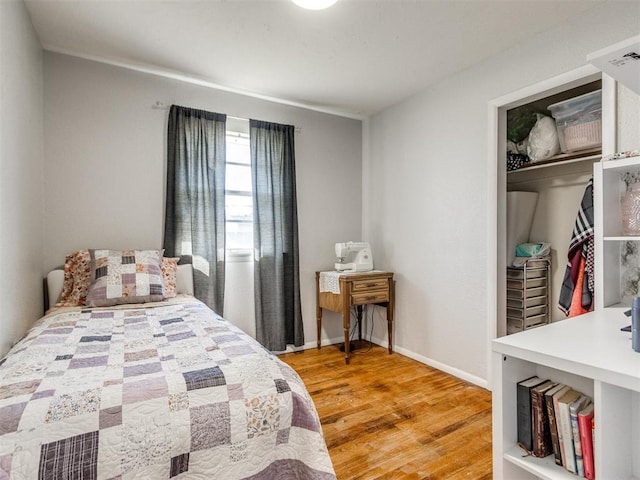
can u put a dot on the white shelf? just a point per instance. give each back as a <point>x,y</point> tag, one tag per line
<point>622,164</point>
<point>590,345</point>
<point>544,468</point>
<point>622,238</point>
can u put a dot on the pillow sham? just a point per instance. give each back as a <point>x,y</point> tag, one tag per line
<point>77,278</point>
<point>125,276</point>
<point>169,271</point>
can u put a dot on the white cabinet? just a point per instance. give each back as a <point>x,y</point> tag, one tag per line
<point>591,354</point>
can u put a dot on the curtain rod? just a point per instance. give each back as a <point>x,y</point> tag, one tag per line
<point>163,106</point>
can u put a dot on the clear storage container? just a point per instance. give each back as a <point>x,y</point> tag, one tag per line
<point>579,122</point>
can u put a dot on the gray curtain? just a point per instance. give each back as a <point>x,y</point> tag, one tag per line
<point>194,227</point>
<point>275,236</point>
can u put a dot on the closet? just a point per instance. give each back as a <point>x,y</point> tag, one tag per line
<point>539,201</point>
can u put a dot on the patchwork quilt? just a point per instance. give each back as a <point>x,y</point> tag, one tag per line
<point>153,391</point>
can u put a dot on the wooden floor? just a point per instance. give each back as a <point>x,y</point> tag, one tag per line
<point>390,417</point>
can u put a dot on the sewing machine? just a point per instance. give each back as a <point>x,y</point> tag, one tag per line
<point>354,257</point>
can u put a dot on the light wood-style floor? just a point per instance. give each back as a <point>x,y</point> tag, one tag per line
<point>390,417</point>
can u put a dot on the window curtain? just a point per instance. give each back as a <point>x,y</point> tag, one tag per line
<point>275,236</point>
<point>194,227</point>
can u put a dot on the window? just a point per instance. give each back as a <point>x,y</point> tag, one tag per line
<point>238,199</point>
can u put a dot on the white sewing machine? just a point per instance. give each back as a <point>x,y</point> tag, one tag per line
<point>354,257</point>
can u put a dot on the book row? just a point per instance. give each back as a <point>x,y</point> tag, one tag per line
<point>554,419</point>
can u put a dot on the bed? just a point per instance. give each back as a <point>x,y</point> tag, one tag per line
<point>152,390</point>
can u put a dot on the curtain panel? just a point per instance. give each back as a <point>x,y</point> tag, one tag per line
<point>194,227</point>
<point>275,236</point>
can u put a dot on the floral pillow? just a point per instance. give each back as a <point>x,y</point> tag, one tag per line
<point>169,271</point>
<point>77,278</point>
<point>125,276</point>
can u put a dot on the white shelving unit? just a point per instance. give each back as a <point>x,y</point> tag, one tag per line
<point>610,244</point>
<point>590,353</point>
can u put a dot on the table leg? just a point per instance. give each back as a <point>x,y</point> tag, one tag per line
<point>359,317</point>
<point>390,307</point>
<point>346,318</point>
<point>318,309</point>
<point>319,324</point>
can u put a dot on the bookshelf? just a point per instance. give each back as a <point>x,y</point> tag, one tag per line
<point>591,354</point>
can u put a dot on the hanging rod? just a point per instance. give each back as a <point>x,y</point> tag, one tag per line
<point>158,105</point>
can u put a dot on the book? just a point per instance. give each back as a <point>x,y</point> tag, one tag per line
<point>523,410</point>
<point>576,406</point>
<point>585,426</point>
<point>563,417</point>
<point>558,390</point>
<point>540,420</point>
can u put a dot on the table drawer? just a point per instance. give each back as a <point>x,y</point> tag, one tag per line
<point>365,285</point>
<point>370,297</point>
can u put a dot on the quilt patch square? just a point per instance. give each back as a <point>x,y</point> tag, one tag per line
<point>110,417</point>
<point>146,389</point>
<point>170,320</point>
<point>178,401</point>
<point>11,415</point>
<point>19,388</point>
<point>235,391</point>
<point>72,404</point>
<point>5,465</point>
<point>74,458</point>
<point>144,369</point>
<point>239,451</point>
<point>179,464</point>
<point>282,386</point>
<point>238,350</point>
<point>43,394</point>
<point>210,426</point>
<point>207,377</point>
<point>300,415</point>
<point>180,336</point>
<point>88,362</point>
<point>263,415</point>
<point>141,355</point>
<point>95,338</point>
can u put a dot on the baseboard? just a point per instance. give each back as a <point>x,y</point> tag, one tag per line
<point>308,345</point>
<point>461,374</point>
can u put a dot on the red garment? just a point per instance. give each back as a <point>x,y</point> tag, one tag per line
<point>576,300</point>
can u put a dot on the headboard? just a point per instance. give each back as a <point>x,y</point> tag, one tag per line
<point>55,280</point>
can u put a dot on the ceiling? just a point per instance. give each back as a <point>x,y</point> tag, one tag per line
<point>353,59</point>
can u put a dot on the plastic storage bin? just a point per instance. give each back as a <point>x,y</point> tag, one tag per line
<point>579,121</point>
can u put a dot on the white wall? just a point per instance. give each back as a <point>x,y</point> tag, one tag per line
<point>105,166</point>
<point>21,165</point>
<point>425,189</point>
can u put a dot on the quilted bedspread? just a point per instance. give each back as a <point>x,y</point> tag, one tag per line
<point>153,391</point>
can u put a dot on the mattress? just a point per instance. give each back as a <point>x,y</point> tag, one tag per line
<point>153,391</point>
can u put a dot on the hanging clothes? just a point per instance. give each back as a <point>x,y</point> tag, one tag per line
<point>576,294</point>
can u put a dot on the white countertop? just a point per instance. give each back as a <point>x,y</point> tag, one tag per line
<point>590,345</point>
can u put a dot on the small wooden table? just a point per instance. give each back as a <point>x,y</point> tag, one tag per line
<point>357,289</point>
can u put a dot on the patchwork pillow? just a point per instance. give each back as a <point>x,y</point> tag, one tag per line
<point>125,276</point>
<point>77,279</point>
<point>169,271</point>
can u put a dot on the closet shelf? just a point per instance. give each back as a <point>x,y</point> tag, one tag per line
<point>622,238</point>
<point>562,159</point>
